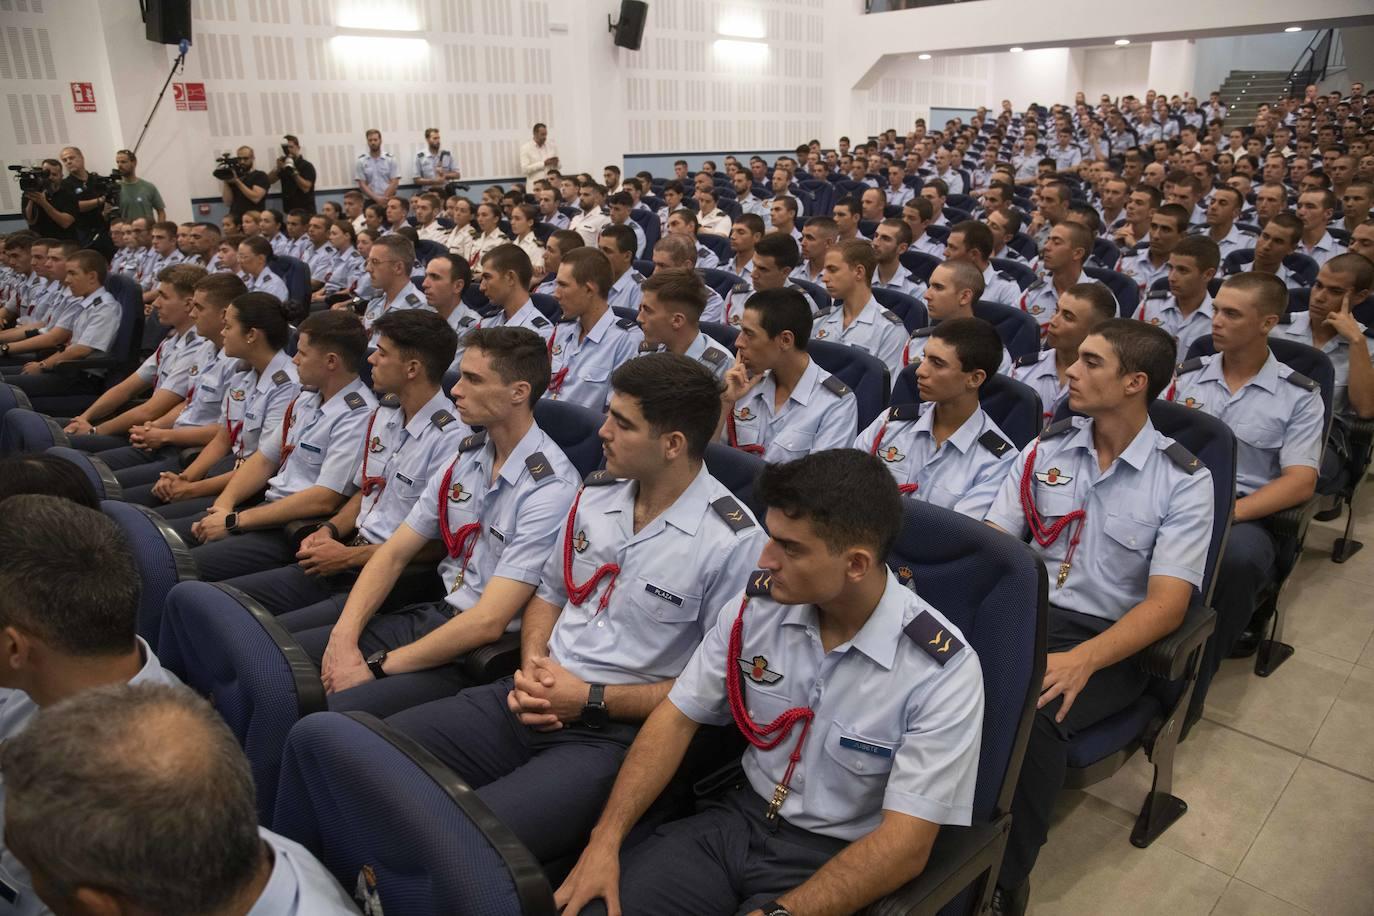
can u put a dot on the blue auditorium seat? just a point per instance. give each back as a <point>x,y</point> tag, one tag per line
<point>920,264</point>
<point>1020,271</point>
<point>1012,405</point>
<point>911,310</point>
<point>1125,290</point>
<point>97,471</point>
<point>162,558</point>
<point>738,471</point>
<point>1019,330</point>
<point>861,371</point>
<point>575,429</point>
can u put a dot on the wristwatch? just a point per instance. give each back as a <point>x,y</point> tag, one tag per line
<point>773,908</point>
<point>375,662</point>
<point>595,715</point>
<point>4,349</point>
<point>231,523</point>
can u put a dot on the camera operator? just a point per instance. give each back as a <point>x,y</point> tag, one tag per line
<point>247,188</point>
<point>51,212</point>
<point>297,176</point>
<point>92,227</point>
<point>138,197</point>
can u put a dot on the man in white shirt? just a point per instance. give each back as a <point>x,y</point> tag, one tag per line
<point>538,155</point>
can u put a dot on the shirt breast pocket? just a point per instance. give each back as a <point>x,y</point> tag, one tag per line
<point>595,375</point>
<point>1054,502</point>
<point>1133,535</point>
<point>667,602</point>
<point>1263,433</point>
<point>855,770</point>
<point>309,454</point>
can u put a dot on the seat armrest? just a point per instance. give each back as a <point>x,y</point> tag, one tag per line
<point>1293,521</point>
<point>1168,657</point>
<point>494,660</point>
<point>302,528</point>
<point>960,854</point>
<point>87,364</point>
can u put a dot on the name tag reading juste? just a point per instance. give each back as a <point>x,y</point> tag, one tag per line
<point>854,744</point>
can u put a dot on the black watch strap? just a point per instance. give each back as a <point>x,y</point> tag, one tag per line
<point>596,695</point>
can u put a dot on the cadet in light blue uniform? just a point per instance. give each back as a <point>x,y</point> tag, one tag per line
<point>1108,539</point>
<point>591,341</point>
<point>670,319</point>
<point>1161,308</point>
<point>818,412</point>
<point>268,282</point>
<point>622,604</point>
<point>321,260</point>
<point>856,318</point>
<point>883,714</point>
<point>429,165</point>
<point>92,320</point>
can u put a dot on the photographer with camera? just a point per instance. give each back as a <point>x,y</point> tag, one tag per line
<point>297,177</point>
<point>243,187</point>
<point>138,197</point>
<point>92,193</point>
<point>49,205</point>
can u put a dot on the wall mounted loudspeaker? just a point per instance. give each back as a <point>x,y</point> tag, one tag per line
<point>629,31</point>
<point>167,21</point>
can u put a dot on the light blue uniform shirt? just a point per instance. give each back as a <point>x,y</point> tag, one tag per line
<point>208,376</point>
<point>325,442</point>
<point>820,413</point>
<point>299,885</point>
<point>897,197</point>
<point>874,330</point>
<point>153,264</point>
<point>321,260</point>
<point>903,281</point>
<point>169,368</point>
<point>1000,287</point>
<point>281,245</point>
<point>915,351</point>
<point>401,457</point>
<point>964,474</point>
<point>625,291</point>
<point>257,402</point>
<point>675,573</point>
<point>408,298</point>
<point>1041,372</point>
<point>739,298</point>
<point>428,165</point>
<point>1041,300</point>
<point>745,272</point>
<point>706,257</point>
<point>1146,515</point>
<point>898,725</point>
<point>522,513</point>
<point>586,364</point>
<point>1337,349</point>
<point>1138,266</point>
<point>1277,416</point>
<point>376,171</point>
<point>268,282</point>
<point>527,316</point>
<point>17,710</point>
<point>1160,308</point>
<point>344,269</point>
<point>93,321</point>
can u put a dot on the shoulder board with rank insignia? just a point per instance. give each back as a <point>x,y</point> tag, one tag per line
<point>466,320</point>
<point>1187,366</point>
<point>412,299</point>
<point>1302,381</point>
<point>934,638</point>
<point>1030,359</point>
<point>476,440</point>
<point>389,400</point>
<point>900,412</point>
<point>646,347</point>
<point>636,276</point>
<point>1003,275</point>
<point>740,287</point>
<point>564,320</point>
<point>354,400</point>
<point>734,516</point>
<point>994,443</point>
<point>1158,294</point>
<point>441,418</point>
<point>539,321</point>
<point>760,584</point>
<point>835,386</point>
<point>598,478</point>
<point>892,316</point>
<point>540,468</point>
<point>627,323</point>
<point>712,355</point>
<point>280,377</point>
<point>923,332</point>
<point>1038,284</point>
<point>1057,429</point>
<point>1183,458</point>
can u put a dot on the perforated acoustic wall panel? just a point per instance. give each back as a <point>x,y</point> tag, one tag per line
<point>905,89</point>
<point>35,102</point>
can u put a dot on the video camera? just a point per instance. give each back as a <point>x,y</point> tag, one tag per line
<point>108,185</point>
<point>30,177</point>
<point>228,167</point>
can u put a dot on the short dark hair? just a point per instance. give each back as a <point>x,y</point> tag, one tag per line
<point>340,333</point>
<point>509,257</point>
<point>675,394</point>
<point>1096,295</point>
<point>847,495</point>
<point>784,309</point>
<point>421,335</point>
<point>977,236</point>
<point>975,341</point>
<point>68,578</point>
<point>858,253</point>
<point>589,265</point>
<point>1143,347</point>
<point>91,262</point>
<point>781,247</point>
<point>1176,212</point>
<point>567,240</point>
<point>1201,249</point>
<point>48,475</point>
<point>623,236</point>
<point>182,277</point>
<point>924,208</point>
<point>517,355</point>
<point>457,265</point>
<point>258,245</point>
<point>1269,292</point>
<point>264,312</point>
<point>401,248</point>
<point>753,222</point>
<point>221,289</point>
<point>679,286</point>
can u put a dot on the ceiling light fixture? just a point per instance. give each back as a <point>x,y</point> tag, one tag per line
<point>1293,28</point>
<point>923,57</point>
<point>1122,42</point>
<point>1016,50</point>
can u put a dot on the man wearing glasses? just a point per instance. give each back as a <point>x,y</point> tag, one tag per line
<point>246,190</point>
<point>389,266</point>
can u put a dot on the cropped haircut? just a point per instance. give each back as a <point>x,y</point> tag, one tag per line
<point>781,247</point>
<point>1286,220</point>
<point>263,312</point>
<point>516,354</point>
<point>182,277</point>
<point>975,341</point>
<point>753,222</point>
<point>847,496</point>
<point>977,237</point>
<point>1143,347</point>
<point>859,253</point>
<point>687,216</point>
<point>900,227</point>
<point>924,208</point>
<point>166,225</point>
<point>824,225</point>
<point>221,289</point>
<point>340,333</point>
<point>1080,236</point>
<point>510,258</point>
<point>1227,189</point>
<point>621,199</point>
<point>457,265</point>
<point>784,309</point>
<point>421,335</point>
<point>401,248</point>
<point>47,475</point>
<point>589,265</point>
<point>940,186</point>
<point>680,250</point>
<point>626,242</point>
<point>258,245</point>
<point>966,276</point>
<point>678,286</point>
<point>131,789</point>
<point>1177,213</point>
<point>1201,249</point>
<point>567,240</point>
<point>1098,297</point>
<point>88,261</point>
<point>1013,221</point>
<point>1355,264</point>
<point>789,203</point>
<point>675,394</point>
<point>68,578</point>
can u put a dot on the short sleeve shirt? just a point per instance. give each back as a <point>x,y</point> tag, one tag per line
<point>169,368</point>
<point>820,413</point>
<point>582,367</point>
<point>376,171</point>
<point>255,403</point>
<point>207,378</point>
<point>93,321</point>
<point>319,444</point>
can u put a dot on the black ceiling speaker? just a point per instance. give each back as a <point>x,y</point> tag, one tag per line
<point>167,21</point>
<point>629,31</point>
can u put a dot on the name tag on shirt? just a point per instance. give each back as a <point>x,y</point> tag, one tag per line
<point>404,479</point>
<point>854,744</point>
<point>498,535</point>
<point>314,449</point>
<point>665,595</point>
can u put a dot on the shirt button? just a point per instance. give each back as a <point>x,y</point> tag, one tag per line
<point>859,765</point>
<point>602,623</point>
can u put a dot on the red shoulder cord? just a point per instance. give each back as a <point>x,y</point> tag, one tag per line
<point>559,377</point>
<point>753,449</point>
<point>235,429</point>
<point>759,735</point>
<point>903,488</point>
<point>286,418</point>
<point>462,542</point>
<point>580,593</point>
<point>1046,536</point>
<point>372,484</point>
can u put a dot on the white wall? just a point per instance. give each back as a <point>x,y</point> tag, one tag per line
<point>1217,57</point>
<point>1115,71</point>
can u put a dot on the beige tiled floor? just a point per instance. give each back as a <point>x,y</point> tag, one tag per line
<point>1279,778</point>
